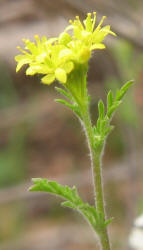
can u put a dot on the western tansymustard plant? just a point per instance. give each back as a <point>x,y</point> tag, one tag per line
<point>65,58</point>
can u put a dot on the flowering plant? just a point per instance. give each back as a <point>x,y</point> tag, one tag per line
<point>65,58</point>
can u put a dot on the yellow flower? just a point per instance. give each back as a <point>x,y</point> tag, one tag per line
<point>85,38</point>
<point>91,37</point>
<point>55,58</point>
<point>37,52</point>
<point>44,58</point>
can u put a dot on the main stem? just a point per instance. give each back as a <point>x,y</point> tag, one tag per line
<point>96,162</point>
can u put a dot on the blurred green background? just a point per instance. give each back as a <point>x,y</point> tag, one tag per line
<point>40,138</point>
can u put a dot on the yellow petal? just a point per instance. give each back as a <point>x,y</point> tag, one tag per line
<point>48,79</point>
<point>31,70</point>
<point>21,62</point>
<point>68,67</point>
<point>41,57</point>
<point>51,40</point>
<point>84,55</point>
<point>85,34</point>
<point>98,46</point>
<point>61,75</point>
<point>65,53</point>
<point>107,30</point>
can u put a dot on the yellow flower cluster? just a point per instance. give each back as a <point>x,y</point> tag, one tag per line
<point>55,58</point>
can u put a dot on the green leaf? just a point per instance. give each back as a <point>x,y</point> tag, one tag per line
<point>74,107</point>
<point>68,204</point>
<point>64,93</point>
<point>73,200</point>
<point>101,109</point>
<point>104,124</point>
<point>120,94</point>
<point>98,125</point>
<point>109,100</point>
<point>113,108</point>
<point>113,104</point>
<point>103,127</point>
<point>62,101</point>
<point>107,222</point>
<point>108,130</point>
<point>89,99</point>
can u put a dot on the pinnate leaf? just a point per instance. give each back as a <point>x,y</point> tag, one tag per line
<point>113,103</point>
<point>103,127</point>
<point>73,201</point>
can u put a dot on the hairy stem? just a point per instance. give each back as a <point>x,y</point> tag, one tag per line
<point>97,177</point>
<point>99,198</point>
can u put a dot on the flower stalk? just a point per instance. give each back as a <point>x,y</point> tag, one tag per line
<point>96,166</point>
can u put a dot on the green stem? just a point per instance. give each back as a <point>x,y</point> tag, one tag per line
<point>97,177</point>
